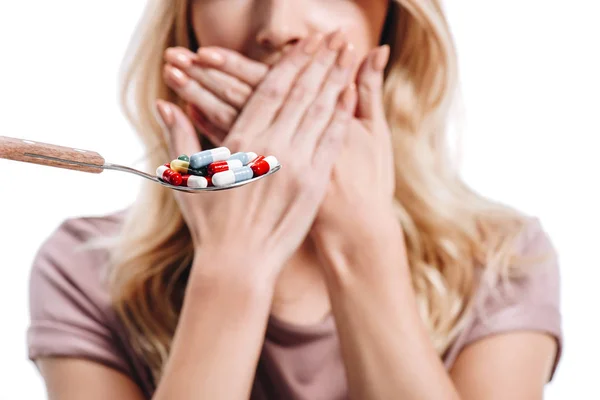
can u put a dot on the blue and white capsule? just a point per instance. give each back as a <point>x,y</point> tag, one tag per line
<point>244,157</point>
<point>230,177</point>
<point>203,158</point>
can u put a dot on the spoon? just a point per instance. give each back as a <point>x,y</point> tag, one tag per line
<point>88,161</point>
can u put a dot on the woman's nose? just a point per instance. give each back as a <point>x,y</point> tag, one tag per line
<point>281,25</point>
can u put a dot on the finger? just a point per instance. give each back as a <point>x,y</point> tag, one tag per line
<point>370,84</point>
<point>206,128</point>
<point>330,143</point>
<point>227,88</point>
<point>180,57</point>
<point>222,115</point>
<point>232,63</point>
<point>310,115</point>
<point>270,94</point>
<point>180,135</point>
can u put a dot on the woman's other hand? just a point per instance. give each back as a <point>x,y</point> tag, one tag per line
<point>363,177</point>
<point>362,185</point>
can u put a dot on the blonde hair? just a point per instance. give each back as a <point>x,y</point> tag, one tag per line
<point>450,230</point>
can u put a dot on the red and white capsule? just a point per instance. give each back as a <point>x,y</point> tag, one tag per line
<point>221,166</point>
<point>263,165</point>
<point>166,174</point>
<point>194,181</point>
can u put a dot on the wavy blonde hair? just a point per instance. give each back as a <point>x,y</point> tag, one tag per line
<point>450,230</point>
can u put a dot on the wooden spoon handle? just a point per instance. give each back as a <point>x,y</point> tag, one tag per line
<point>51,155</point>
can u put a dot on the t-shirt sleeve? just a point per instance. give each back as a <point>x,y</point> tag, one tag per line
<point>527,303</point>
<point>69,303</point>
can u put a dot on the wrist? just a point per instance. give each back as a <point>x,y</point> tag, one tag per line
<point>222,270</point>
<point>368,226</point>
<point>368,248</point>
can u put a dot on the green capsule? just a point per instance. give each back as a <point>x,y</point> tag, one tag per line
<point>183,157</point>
<point>203,171</point>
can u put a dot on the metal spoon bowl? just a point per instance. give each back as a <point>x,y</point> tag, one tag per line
<point>153,178</point>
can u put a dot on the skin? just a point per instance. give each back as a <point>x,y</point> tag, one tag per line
<point>306,257</point>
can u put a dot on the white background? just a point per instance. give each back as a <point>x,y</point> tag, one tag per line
<point>530,84</point>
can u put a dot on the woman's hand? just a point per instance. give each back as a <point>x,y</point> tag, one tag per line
<point>299,113</point>
<point>362,186</point>
<point>363,176</point>
<point>368,141</point>
<point>216,84</point>
<point>362,182</point>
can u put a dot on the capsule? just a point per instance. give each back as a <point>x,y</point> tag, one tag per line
<point>168,175</point>
<point>244,157</point>
<point>201,171</point>
<point>184,157</point>
<point>232,176</point>
<point>221,166</point>
<point>183,167</point>
<point>251,156</point>
<point>263,166</point>
<point>193,181</point>
<point>180,166</point>
<point>206,157</point>
<point>257,159</point>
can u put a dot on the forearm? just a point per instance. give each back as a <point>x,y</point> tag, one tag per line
<point>386,349</point>
<point>219,337</point>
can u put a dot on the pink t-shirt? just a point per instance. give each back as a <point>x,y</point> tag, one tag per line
<point>71,315</point>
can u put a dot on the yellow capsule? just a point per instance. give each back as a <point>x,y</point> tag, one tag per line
<point>180,166</point>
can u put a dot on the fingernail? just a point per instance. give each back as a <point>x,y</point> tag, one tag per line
<point>381,58</point>
<point>235,96</point>
<point>166,113</point>
<point>336,40</point>
<point>312,43</point>
<point>349,97</point>
<point>178,58</point>
<point>210,56</point>
<point>178,76</point>
<point>346,56</point>
<point>184,60</point>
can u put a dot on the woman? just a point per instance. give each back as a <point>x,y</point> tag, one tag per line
<point>364,268</point>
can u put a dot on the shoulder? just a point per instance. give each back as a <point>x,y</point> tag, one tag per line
<point>74,235</point>
<point>534,284</point>
<point>527,301</point>
<point>81,229</point>
<point>69,301</point>
<point>73,257</point>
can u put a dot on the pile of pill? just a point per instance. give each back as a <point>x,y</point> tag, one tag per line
<point>215,167</point>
